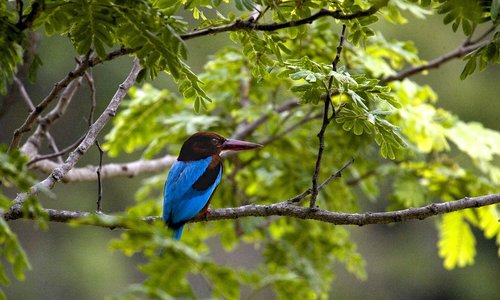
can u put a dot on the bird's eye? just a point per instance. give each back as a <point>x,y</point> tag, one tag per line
<point>214,141</point>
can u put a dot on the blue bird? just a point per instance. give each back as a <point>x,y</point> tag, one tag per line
<point>194,176</point>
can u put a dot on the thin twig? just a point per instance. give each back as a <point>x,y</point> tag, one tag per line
<point>487,32</point>
<point>27,99</point>
<point>262,13</point>
<point>23,93</point>
<point>336,174</point>
<point>297,199</point>
<point>99,180</point>
<point>93,102</point>
<point>307,117</point>
<point>25,22</point>
<point>56,154</point>
<point>53,145</point>
<point>435,63</point>
<point>326,122</point>
<point>247,130</point>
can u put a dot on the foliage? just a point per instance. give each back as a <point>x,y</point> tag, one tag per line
<point>13,173</point>
<point>10,42</point>
<point>392,127</point>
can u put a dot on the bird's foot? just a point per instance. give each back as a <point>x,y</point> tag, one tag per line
<point>203,215</point>
<point>207,213</point>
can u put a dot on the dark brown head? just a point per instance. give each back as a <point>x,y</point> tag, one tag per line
<point>204,144</point>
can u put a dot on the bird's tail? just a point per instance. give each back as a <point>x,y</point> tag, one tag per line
<point>178,232</point>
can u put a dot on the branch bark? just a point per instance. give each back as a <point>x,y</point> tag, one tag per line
<point>286,209</point>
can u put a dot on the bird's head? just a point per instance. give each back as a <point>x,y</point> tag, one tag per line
<point>204,144</point>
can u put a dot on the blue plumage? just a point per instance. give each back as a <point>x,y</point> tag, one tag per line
<point>181,201</point>
<point>194,177</point>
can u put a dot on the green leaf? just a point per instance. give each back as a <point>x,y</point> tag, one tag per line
<point>245,4</point>
<point>488,217</point>
<point>481,144</point>
<point>13,170</point>
<point>11,40</point>
<point>457,245</point>
<point>489,53</point>
<point>13,253</point>
<point>409,191</point>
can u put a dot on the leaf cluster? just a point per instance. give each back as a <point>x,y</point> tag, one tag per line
<point>14,175</point>
<point>11,43</point>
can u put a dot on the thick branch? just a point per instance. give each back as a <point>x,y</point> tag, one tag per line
<point>289,210</point>
<point>337,218</point>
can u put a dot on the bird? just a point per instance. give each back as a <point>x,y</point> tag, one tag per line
<point>194,177</point>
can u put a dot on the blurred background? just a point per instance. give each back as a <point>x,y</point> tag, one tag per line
<point>402,260</point>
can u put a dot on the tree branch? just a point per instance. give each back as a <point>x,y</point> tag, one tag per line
<point>326,122</point>
<point>58,88</point>
<point>59,172</point>
<point>130,169</point>
<point>251,24</point>
<point>57,154</point>
<point>32,144</point>
<point>285,209</point>
<point>246,130</point>
<point>435,63</point>
<point>25,22</point>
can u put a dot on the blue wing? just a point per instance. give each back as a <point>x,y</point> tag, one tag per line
<point>182,200</point>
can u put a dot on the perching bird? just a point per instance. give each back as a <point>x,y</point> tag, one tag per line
<point>194,177</point>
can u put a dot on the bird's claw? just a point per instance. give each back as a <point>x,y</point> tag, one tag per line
<point>207,213</point>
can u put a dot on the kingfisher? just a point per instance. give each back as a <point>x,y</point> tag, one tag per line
<point>194,176</point>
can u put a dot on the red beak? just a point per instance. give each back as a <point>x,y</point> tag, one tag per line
<point>237,145</point>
